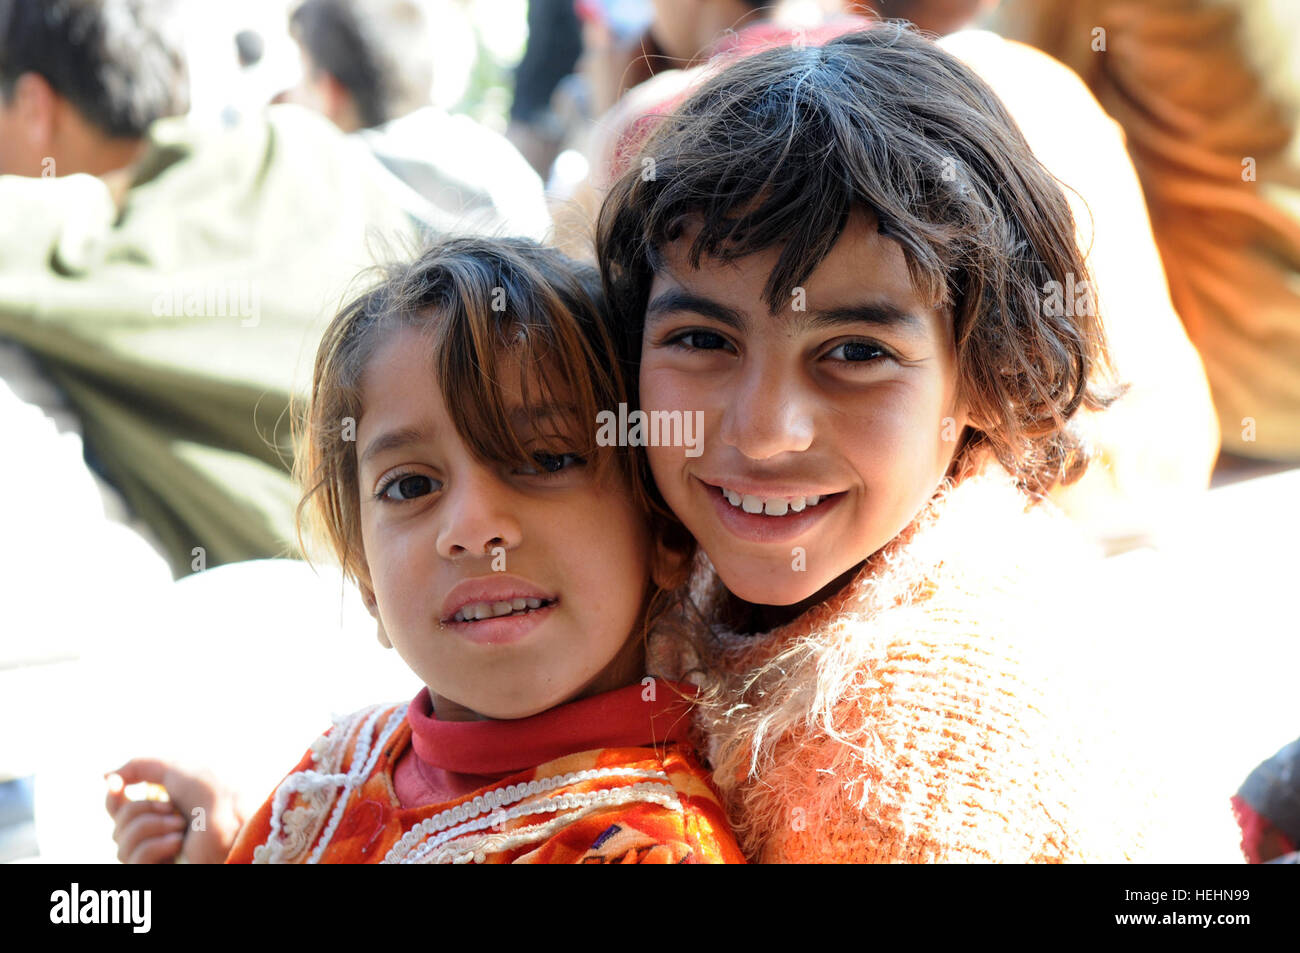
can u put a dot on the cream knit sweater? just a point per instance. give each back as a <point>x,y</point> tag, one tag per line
<point>942,707</point>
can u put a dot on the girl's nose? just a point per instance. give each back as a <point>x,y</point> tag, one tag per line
<point>480,516</point>
<point>767,413</point>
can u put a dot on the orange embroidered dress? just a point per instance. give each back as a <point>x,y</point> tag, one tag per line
<point>606,779</point>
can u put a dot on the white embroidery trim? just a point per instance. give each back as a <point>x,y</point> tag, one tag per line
<point>319,789</point>
<point>563,802</point>
<point>328,751</point>
<point>459,845</point>
<point>361,768</point>
<point>461,852</point>
<point>498,798</point>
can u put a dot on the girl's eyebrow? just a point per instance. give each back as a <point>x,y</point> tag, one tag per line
<point>522,416</point>
<point>676,300</point>
<point>391,440</point>
<point>880,315</point>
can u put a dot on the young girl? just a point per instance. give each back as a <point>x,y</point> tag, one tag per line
<point>850,263</point>
<point>450,464</point>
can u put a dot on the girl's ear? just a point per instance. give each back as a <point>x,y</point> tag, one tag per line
<point>381,634</point>
<point>372,606</point>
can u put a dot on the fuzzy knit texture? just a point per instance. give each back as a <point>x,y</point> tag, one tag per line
<point>940,708</point>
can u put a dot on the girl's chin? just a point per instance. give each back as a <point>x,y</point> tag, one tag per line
<point>773,590</point>
<point>782,585</point>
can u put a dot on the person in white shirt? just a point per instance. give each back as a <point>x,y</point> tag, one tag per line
<point>368,67</point>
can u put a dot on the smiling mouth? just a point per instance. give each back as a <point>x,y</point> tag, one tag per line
<point>779,506</point>
<point>481,611</point>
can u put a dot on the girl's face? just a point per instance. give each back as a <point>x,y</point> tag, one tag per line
<point>448,537</point>
<point>848,398</point>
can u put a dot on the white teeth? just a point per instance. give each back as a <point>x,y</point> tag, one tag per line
<point>774,507</point>
<point>493,610</point>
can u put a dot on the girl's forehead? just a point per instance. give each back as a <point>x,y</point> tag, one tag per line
<point>860,258</point>
<point>412,351</point>
<point>864,269</point>
<point>400,384</point>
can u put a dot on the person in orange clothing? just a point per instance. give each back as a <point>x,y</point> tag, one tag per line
<point>515,562</point>
<point>1208,95</point>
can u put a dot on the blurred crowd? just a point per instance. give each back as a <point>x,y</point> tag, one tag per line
<point>165,271</point>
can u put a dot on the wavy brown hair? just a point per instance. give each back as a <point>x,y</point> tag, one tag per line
<point>478,303</point>
<point>779,148</point>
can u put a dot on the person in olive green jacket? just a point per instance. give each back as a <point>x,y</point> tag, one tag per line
<point>171,280</point>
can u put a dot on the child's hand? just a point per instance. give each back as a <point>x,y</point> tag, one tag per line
<point>198,825</point>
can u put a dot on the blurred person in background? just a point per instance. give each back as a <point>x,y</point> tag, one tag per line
<point>244,94</point>
<point>77,92</point>
<point>368,66</point>
<point>552,50</point>
<point>641,57</point>
<point>170,295</point>
<point>634,52</point>
<point>1208,95</point>
<point>162,288</point>
<point>690,31</point>
<point>631,44</point>
<point>939,17</point>
<point>1267,809</point>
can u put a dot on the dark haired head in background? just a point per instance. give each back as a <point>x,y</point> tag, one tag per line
<point>249,48</point>
<point>82,80</point>
<point>364,61</point>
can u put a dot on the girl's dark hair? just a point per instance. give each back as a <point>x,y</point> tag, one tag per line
<point>780,147</point>
<point>479,303</point>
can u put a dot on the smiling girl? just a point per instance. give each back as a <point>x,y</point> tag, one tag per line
<point>450,465</point>
<point>845,260</point>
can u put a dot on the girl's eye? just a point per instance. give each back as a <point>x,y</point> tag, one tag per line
<point>407,486</point>
<point>699,341</point>
<point>552,463</point>
<point>857,352</point>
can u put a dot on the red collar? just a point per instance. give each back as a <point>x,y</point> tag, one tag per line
<point>619,719</point>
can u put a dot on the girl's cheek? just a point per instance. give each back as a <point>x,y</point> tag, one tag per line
<point>664,388</point>
<point>660,463</point>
